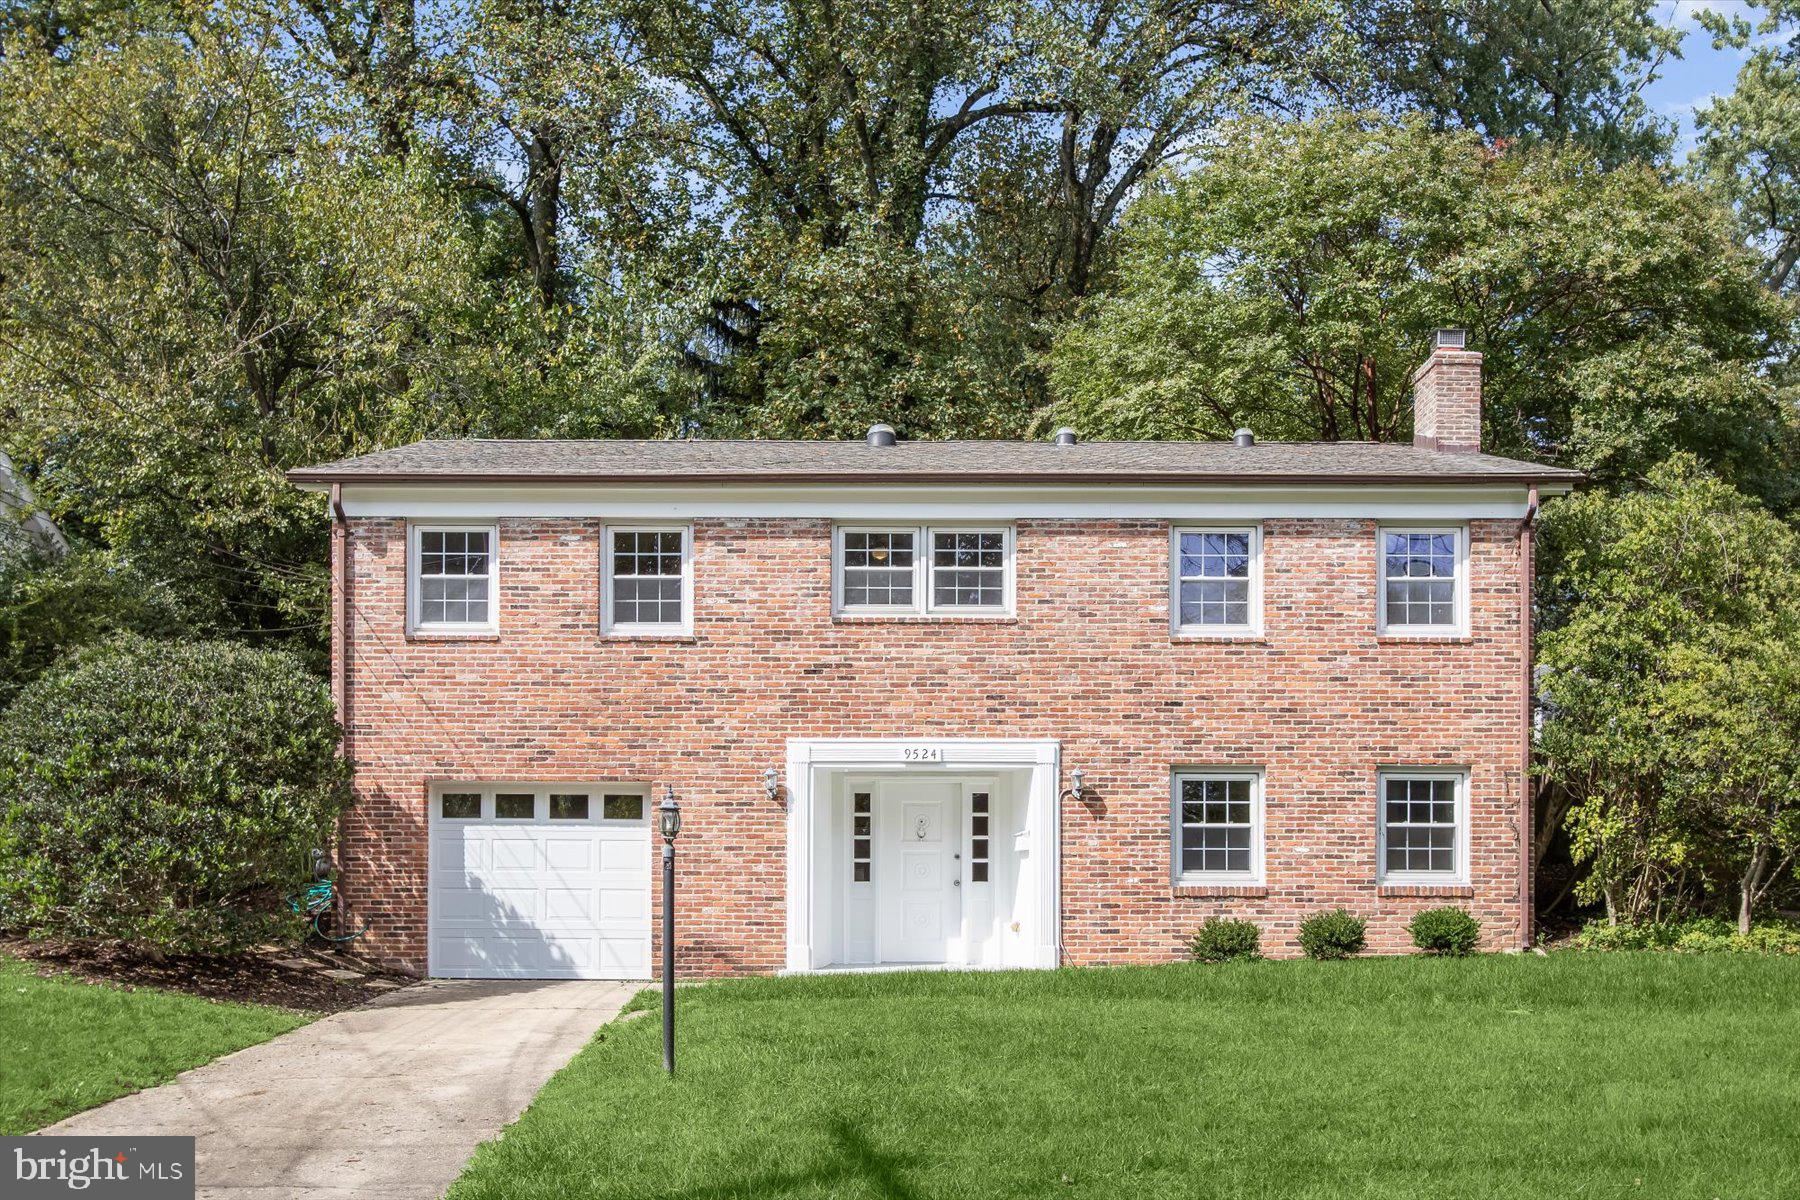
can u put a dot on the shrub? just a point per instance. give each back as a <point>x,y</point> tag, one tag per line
<point>1449,931</point>
<point>1647,935</point>
<point>1333,934</point>
<point>1769,937</point>
<point>1701,935</point>
<point>165,794</point>
<point>1222,939</point>
<point>1705,935</point>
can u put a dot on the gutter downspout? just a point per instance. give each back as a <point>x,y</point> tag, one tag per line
<point>340,595</point>
<point>340,655</point>
<point>1527,564</point>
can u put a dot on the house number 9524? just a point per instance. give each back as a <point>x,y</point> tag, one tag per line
<point>921,754</point>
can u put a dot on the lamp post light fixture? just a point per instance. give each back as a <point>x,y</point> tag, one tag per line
<point>668,817</point>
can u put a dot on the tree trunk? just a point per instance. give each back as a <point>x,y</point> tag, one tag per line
<point>1750,885</point>
<point>543,203</point>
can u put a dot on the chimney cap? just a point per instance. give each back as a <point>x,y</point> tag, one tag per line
<point>1450,339</point>
<point>1064,436</point>
<point>1243,437</point>
<point>881,435</point>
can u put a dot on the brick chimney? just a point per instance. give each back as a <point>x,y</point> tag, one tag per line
<point>1447,395</point>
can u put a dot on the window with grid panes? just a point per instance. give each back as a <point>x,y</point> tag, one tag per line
<point>968,568</point>
<point>1216,817</point>
<point>980,815</point>
<point>1418,579</point>
<point>862,819</point>
<point>1213,578</point>
<point>878,568</point>
<point>648,577</point>
<point>454,578</point>
<point>1421,825</point>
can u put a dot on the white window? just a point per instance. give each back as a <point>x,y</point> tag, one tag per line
<point>1424,581</point>
<point>1217,823</point>
<point>1424,827</point>
<point>981,836</point>
<point>453,584</point>
<point>879,568</point>
<point>649,573</point>
<point>914,569</point>
<point>968,568</point>
<point>862,836</point>
<point>1216,581</point>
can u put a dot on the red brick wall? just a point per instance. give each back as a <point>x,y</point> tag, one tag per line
<point>1320,703</point>
<point>1447,401</point>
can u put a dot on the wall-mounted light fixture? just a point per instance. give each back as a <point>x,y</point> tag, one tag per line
<point>1076,790</point>
<point>772,784</point>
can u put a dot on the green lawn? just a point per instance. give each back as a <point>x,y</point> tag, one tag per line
<point>67,1045</point>
<point>1634,1075</point>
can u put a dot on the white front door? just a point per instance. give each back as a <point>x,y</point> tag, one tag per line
<point>917,879</point>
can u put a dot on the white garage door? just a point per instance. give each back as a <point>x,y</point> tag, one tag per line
<point>540,882</point>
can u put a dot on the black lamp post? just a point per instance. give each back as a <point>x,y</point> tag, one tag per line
<point>669,821</point>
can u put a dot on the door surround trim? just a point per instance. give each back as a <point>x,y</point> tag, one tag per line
<point>811,760</point>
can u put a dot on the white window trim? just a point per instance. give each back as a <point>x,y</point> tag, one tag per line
<point>614,628</point>
<point>414,624</point>
<point>1255,876</point>
<point>839,607</point>
<point>922,605</point>
<point>1255,625</point>
<point>1460,593</point>
<point>1460,875</point>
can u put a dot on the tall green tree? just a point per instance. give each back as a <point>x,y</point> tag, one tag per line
<point>1560,71</point>
<point>1291,281</point>
<point>856,155</point>
<point>1668,680</point>
<point>202,284</point>
<point>1749,139</point>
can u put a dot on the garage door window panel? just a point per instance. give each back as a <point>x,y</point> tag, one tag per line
<point>568,806</point>
<point>515,806</point>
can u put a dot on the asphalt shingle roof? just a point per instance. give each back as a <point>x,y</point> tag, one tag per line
<point>567,461</point>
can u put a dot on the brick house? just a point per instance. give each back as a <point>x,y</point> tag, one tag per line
<point>963,703</point>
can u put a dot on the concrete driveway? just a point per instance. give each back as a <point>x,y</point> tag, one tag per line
<point>384,1101</point>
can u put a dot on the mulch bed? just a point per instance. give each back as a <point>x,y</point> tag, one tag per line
<point>260,976</point>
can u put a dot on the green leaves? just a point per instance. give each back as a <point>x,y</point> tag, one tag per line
<point>1292,280</point>
<point>1668,678</point>
<point>165,794</point>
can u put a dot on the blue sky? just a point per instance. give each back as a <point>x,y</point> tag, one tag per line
<point>1702,72</point>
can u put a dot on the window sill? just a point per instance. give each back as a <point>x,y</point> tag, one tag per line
<point>923,618</point>
<point>1448,890</point>
<point>429,635</point>
<point>1413,639</point>
<point>1200,891</point>
<point>1240,638</point>
<point>677,639</point>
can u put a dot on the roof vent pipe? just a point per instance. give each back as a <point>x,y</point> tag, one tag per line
<point>1243,437</point>
<point>1064,436</point>
<point>881,435</point>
